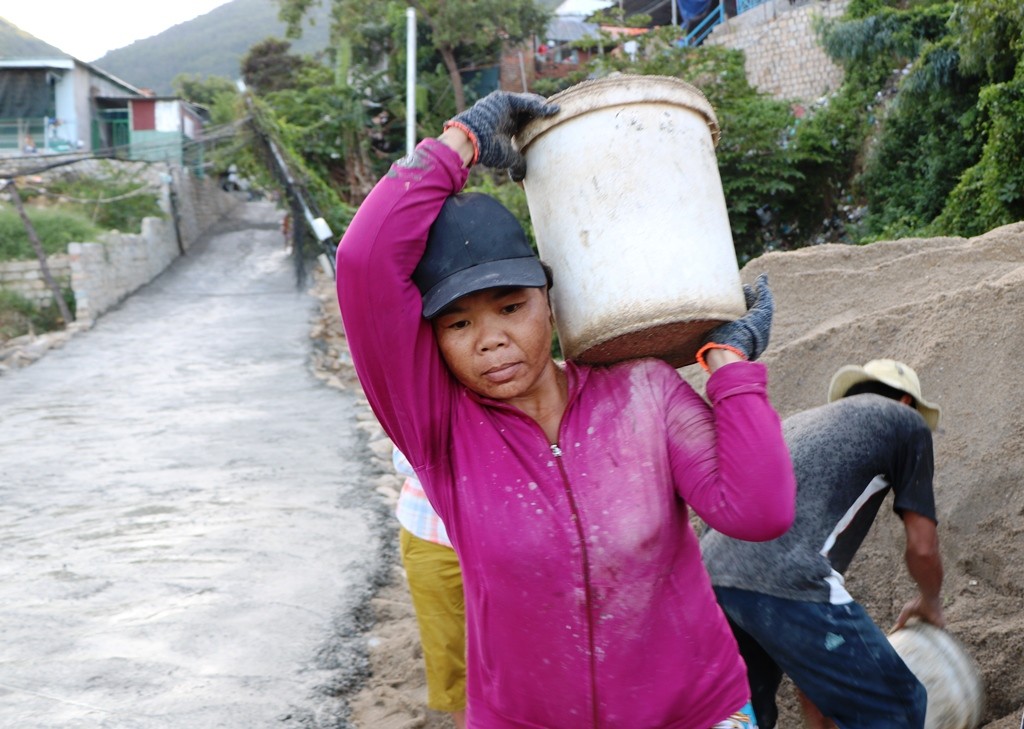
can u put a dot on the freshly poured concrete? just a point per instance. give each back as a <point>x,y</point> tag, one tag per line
<point>186,534</point>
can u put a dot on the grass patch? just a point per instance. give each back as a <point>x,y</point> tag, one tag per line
<point>55,228</point>
<point>20,316</point>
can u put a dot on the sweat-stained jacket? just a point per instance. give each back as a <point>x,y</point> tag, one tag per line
<point>587,604</point>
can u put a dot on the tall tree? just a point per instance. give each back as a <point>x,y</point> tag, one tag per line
<point>459,29</point>
<point>268,66</point>
<point>456,24</point>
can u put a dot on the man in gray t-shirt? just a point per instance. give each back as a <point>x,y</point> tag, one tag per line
<point>786,598</point>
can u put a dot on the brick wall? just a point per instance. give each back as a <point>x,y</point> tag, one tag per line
<point>783,57</point>
<point>517,64</point>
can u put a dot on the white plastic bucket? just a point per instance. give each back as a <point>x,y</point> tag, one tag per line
<point>627,206</point>
<point>956,694</point>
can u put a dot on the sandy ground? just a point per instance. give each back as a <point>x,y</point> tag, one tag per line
<point>953,309</point>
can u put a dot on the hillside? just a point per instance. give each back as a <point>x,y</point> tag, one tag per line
<point>210,45</point>
<point>16,43</point>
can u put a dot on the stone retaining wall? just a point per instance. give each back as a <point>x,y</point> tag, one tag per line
<point>104,272</point>
<point>783,57</point>
<point>201,203</point>
<point>26,278</point>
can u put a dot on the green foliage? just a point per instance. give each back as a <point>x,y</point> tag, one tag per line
<point>269,67</point>
<point>329,127</point>
<point>551,86</point>
<point>202,90</point>
<point>117,201</point>
<point>20,316</point>
<point>317,183</point>
<point>939,153</point>
<point>925,146</point>
<point>991,193</point>
<point>888,34</point>
<point>55,229</point>
<point>481,23</point>
<point>617,17</point>
<point>924,134</point>
<point>990,36</point>
<point>217,94</point>
<point>460,34</point>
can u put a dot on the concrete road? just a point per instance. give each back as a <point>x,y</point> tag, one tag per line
<point>187,534</point>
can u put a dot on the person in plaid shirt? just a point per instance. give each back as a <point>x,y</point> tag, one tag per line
<point>435,583</point>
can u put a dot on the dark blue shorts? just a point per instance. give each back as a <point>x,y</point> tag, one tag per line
<point>835,654</point>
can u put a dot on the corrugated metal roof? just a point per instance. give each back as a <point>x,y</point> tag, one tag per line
<point>566,30</point>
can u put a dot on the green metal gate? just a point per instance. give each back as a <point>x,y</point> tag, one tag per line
<point>110,129</point>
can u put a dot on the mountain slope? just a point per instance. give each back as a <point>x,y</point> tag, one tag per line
<point>16,43</point>
<point>210,45</point>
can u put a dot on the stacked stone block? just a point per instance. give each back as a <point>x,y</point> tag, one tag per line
<point>783,55</point>
<point>105,272</point>
<point>26,278</point>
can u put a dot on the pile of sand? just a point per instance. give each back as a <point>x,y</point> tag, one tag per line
<point>951,308</point>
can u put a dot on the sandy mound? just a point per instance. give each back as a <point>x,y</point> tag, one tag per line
<point>953,309</point>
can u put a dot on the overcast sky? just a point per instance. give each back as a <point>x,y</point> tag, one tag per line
<point>87,29</point>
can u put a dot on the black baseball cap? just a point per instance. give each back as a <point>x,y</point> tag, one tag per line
<point>474,244</point>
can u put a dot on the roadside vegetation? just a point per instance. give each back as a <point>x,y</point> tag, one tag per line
<point>55,228</point>
<point>117,201</point>
<point>20,316</point>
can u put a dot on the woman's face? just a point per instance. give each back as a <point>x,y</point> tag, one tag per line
<point>497,342</point>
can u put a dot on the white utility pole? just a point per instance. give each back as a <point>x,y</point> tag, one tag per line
<point>410,80</point>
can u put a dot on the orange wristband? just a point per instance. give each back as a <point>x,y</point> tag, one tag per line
<point>472,138</point>
<point>715,345</point>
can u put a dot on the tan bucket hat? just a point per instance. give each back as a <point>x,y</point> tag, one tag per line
<point>888,372</point>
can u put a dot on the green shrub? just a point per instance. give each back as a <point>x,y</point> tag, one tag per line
<point>117,201</point>
<point>19,315</point>
<point>991,193</point>
<point>926,144</point>
<point>55,228</point>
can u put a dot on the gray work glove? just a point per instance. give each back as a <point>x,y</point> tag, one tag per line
<point>494,120</point>
<point>750,332</point>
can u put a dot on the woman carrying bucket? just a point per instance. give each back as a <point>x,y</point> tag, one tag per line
<point>564,488</point>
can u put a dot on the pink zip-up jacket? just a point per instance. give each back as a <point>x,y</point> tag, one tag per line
<point>587,604</point>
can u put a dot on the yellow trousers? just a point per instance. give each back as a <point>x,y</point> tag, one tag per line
<point>435,583</point>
